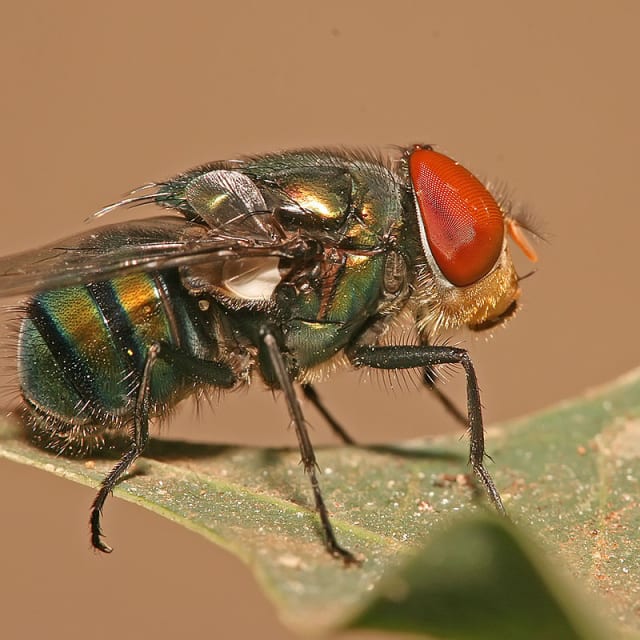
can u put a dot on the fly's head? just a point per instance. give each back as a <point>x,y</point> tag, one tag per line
<point>467,277</point>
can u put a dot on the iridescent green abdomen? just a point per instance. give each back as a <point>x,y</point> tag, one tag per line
<point>82,349</point>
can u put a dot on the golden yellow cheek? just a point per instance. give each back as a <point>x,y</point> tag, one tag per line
<point>451,307</point>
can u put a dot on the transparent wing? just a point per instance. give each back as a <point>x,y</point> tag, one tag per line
<point>149,245</point>
<point>222,199</point>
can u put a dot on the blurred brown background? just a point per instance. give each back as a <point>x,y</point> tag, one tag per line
<point>98,98</point>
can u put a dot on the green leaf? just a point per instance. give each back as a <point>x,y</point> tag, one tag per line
<point>478,579</point>
<point>569,477</point>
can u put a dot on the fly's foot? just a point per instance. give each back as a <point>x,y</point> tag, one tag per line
<point>348,559</point>
<point>487,481</point>
<point>96,533</point>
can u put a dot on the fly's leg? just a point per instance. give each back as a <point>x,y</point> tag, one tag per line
<point>311,394</point>
<point>277,362</point>
<point>139,442</point>
<point>429,381</point>
<point>214,373</point>
<point>407,357</point>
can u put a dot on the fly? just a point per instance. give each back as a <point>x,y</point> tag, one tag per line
<point>283,267</point>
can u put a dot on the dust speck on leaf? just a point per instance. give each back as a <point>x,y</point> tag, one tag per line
<point>290,561</point>
<point>625,443</point>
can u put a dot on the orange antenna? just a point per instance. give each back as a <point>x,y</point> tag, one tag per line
<point>515,231</point>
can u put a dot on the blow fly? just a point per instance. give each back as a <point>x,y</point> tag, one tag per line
<point>283,266</point>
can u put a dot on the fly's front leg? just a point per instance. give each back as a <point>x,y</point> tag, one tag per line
<point>408,357</point>
<point>306,448</point>
<point>209,372</point>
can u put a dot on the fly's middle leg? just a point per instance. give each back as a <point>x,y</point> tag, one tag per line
<point>274,353</point>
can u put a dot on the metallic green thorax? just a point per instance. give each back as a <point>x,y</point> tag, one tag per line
<point>357,207</point>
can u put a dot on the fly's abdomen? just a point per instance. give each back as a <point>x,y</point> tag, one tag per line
<point>82,351</point>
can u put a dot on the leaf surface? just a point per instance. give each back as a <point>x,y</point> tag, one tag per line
<point>569,477</point>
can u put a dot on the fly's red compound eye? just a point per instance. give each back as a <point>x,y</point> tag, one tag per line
<point>459,218</point>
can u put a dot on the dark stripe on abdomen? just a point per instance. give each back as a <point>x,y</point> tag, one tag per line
<point>64,349</point>
<point>119,324</point>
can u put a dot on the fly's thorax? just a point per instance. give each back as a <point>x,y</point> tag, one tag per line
<point>395,292</point>
<point>340,197</point>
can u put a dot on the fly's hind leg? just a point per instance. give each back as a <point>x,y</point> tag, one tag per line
<point>139,442</point>
<point>204,371</point>
<point>277,363</point>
